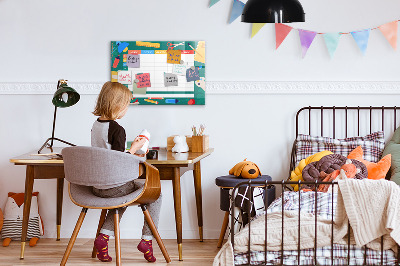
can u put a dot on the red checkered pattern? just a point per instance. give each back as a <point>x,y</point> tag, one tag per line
<point>372,145</point>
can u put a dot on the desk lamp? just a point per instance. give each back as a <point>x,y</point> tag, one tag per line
<point>273,11</point>
<point>64,96</point>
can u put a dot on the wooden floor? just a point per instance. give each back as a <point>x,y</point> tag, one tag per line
<point>50,252</point>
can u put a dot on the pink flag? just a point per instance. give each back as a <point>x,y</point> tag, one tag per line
<point>389,30</point>
<point>281,31</point>
<point>306,39</point>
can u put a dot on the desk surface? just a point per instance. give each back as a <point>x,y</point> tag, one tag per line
<point>164,157</point>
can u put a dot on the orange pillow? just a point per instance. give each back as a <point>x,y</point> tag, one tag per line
<point>375,170</point>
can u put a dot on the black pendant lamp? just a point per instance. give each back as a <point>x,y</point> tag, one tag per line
<point>273,11</point>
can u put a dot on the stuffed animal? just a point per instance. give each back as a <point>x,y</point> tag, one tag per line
<point>296,174</point>
<point>348,170</point>
<point>13,215</point>
<point>1,220</point>
<point>180,144</point>
<point>245,169</point>
<point>375,170</point>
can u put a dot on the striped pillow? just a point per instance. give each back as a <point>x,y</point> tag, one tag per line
<point>372,145</point>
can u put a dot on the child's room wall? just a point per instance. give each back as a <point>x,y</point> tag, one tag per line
<point>43,41</point>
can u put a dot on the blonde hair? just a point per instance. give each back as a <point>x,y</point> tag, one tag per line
<point>112,99</point>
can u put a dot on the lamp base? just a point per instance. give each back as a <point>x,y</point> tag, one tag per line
<point>50,146</point>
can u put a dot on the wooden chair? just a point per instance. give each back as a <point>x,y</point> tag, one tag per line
<point>85,167</point>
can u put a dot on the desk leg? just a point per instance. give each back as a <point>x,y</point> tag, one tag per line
<point>60,190</point>
<point>197,189</point>
<point>27,206</point>
<point>176,182</point>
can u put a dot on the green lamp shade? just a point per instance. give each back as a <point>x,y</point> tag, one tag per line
<point>65,96</point>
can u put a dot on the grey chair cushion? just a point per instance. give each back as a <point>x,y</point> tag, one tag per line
<point>83,196</point>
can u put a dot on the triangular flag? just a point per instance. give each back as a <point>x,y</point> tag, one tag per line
<point>255,28</point>
<point>306,39</point>
<point>237,9</point>
<point>281,31</point>
<point>361,37</point>
<point>213,2</point>
<point>332,41</point>
<point>390,32</point>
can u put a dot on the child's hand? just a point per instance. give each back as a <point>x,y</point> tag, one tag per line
<point>137,144</point>
<point>143,155</point>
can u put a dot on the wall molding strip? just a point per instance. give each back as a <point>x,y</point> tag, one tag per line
<point>231,87</point>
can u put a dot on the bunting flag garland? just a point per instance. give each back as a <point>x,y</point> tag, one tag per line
<point>281,31</point>
<point>213,2</point>
<point>332,41</point>
<point>256,27</point>
<point>306,39</point>
<point>361,37</point>
<point>237,8</point>
<point>389,30</point>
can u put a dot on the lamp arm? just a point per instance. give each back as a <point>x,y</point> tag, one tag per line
<point>54,126</point>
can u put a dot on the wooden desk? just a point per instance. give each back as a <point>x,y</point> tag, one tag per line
<point>171,167</point>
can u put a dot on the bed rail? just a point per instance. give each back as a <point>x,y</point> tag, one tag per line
<point>265,185</point>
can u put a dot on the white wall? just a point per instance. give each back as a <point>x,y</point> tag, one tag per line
<point>43,41</point>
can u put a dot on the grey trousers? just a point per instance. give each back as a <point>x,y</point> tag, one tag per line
<point>153,208</point>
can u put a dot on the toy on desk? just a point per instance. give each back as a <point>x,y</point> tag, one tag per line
<point>180,144</point>
<point>13,216</point>
<point>245,169</point>
<point>144,134</point>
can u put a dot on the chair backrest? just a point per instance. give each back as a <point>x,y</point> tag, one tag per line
<point>92,166</point>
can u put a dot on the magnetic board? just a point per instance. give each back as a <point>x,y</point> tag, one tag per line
<point>160,72</point>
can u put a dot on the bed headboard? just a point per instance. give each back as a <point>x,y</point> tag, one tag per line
<point>344,121</point>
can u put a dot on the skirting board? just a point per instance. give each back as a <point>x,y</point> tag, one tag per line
<point>231,87</point>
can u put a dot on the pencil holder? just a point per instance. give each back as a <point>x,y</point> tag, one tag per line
<point>200,143</point>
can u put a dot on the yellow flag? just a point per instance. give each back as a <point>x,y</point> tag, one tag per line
<point>255,28</point>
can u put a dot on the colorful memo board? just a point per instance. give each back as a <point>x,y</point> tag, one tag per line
<point>161,72</point>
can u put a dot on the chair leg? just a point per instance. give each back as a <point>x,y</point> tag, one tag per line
<point>223,229</point>
<point>154,230</point>
<point>101,222</point>
<point>73,237</point>
<point>117,239</point>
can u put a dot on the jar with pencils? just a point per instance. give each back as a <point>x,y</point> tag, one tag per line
<point>200,141</point>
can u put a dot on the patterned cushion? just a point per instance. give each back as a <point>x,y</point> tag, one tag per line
<point>372,144</point>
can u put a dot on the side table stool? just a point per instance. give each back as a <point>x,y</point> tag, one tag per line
<point>226,183</point>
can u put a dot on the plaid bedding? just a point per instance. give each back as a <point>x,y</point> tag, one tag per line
<point>323,207</point>
<point>372,145</point>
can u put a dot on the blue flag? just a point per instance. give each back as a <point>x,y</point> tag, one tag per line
<point>361,37</point>
<point>237,9</point>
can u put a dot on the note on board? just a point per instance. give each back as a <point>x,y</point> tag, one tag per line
<point>170,80</point>
<point>192,74</point>
<point>144,80</point>
<point>133,60</point>
<point>174,56</point>
<point>179,69</point>
<point>125,77</point>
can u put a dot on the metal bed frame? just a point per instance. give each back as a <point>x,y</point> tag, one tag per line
<point>283,184</point>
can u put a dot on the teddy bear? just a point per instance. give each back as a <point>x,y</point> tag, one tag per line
<point>13,215</point>
<point>180,144</point>
<point>245,169</point>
